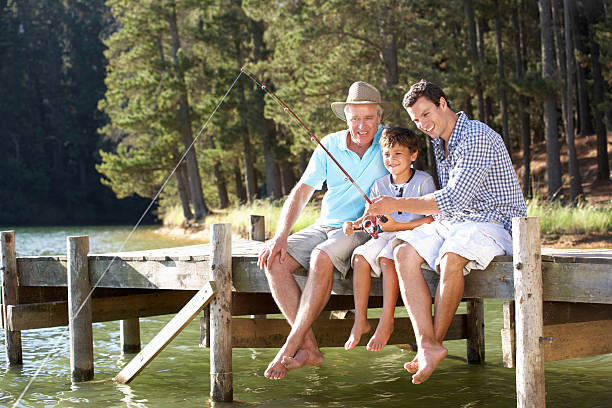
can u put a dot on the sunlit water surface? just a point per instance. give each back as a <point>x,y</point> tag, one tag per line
<point>179,376</point>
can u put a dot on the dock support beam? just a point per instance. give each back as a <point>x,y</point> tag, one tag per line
<point>475,331</point>
<point>79,310</point>
<point>221,375</point>
<point>10,296</point>
<point>527,260</point>
<point>130,335</point>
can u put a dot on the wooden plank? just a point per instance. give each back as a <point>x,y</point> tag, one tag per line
<point>257,228</point>
<point>221,375</point>
<point>569,312</point>
<point>272,333</point>
<point>53,314</point>
<point>508,338</point>
<point>10,295</point>
<point>571,340</point>
<point>530,390</point>
<point>79,310</point>
<point>167,334</point>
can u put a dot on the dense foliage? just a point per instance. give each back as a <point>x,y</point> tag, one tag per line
<point>128,84</point>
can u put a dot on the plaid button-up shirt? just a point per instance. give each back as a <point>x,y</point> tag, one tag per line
<point>477,180</point>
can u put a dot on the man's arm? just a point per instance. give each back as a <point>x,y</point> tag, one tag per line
<point>295,203</point>
<point>425,205</point>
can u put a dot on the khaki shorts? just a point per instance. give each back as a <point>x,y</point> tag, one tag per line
<point>330,240</point>
<point>479,242</point>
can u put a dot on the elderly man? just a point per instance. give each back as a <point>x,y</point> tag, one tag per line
<point>323,247</point>
<point>473,213</point>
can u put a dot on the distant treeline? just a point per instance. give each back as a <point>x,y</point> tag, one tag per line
<point>124,86</point>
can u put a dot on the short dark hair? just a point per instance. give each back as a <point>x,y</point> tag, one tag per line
<point>399,136</point>
<point>427,89</point>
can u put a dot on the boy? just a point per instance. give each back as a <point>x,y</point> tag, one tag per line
<point>399,150</point>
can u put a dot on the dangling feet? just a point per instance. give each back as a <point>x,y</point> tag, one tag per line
<point>282,363</point>
<point>381,335</point>
<point>425,362</point>
<point>360,327</point>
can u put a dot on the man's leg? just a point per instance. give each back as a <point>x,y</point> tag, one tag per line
<point>390,293</point>
<point>301,348</point>
<point>449,292</point>
<point>361,293</point>
<point>286,293</point>
<point>417,298</point>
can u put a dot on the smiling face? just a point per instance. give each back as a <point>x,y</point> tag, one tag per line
<point>362,121</point>
<point>397,160</point>
<point>435,121</point>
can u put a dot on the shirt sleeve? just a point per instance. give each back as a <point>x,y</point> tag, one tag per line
<point>473,160</point>
<point>428,186</point>
<point>316,171</point>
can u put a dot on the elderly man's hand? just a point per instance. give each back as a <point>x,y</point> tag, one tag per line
<point>381,205</point>
<point>276,247</point>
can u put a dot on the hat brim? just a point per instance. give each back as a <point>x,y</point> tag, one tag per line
<point>338,107</point>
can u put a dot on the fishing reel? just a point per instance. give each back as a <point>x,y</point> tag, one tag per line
<point>371,227</point>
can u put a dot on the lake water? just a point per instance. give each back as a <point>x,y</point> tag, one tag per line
<point>179,376</point>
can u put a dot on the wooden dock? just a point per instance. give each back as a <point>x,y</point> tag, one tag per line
<point>559,303</point>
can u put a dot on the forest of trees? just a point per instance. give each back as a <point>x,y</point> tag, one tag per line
<point>108,95</point>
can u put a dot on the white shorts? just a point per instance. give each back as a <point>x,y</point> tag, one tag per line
<point>479,242</point>
<point>375,249</point>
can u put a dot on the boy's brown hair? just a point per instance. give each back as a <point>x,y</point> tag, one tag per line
<point>399,136</point>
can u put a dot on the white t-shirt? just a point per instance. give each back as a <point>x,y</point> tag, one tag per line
<point>420,183</point>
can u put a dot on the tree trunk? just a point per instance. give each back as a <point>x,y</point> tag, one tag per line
<point>287,176</point>
<point>240,191</point>
<point>182,184</point>
<point>584,112</point>
<point>603,165</point>
<point>220,179</point>
<point>481,25</point>
<point>471,30</point>
<point>195,183</point>
<point>575,181</point>
<point>522,105</point>
<point>557,14</point>
<point>553,159</point>
<point>273,185</point>
<point>388,49</point>
<point>500,78</point>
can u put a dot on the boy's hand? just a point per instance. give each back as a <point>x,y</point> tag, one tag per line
<point>348,228</point>
<point>389,226</point>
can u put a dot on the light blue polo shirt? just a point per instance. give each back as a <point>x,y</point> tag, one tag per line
<point>342,201</point>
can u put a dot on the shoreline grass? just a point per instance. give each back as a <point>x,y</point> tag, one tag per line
<point>555,218</point>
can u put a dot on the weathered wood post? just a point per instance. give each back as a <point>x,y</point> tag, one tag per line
<point>10,296</point>
<point>130,335</point>
<point>221,375</point>
<point>529,312</point>
<point>475,331</point>
<point>257,230</point>
<point>79,310</point>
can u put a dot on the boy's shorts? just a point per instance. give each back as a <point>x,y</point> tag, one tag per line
<point>479,242</point>
<point>330,240</point>
<point>375,249</point>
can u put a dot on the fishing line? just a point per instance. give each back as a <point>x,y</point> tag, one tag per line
<point>146,211</point>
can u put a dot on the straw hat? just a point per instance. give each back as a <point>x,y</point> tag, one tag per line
<point>362,93</point>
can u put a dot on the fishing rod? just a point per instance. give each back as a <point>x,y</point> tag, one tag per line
<point>371,226</point>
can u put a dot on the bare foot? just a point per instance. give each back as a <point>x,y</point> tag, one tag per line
<point>276,370</point>
<point>381,335</point>
<point>303,358</point>
<point>429,358</point>
<point>359,328</point>
<point>412,366</point>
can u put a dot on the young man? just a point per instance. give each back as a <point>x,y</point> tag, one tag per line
<point>473,212</point>
<point>323,246</point>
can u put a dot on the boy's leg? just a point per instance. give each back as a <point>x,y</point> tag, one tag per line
<point>361,292</point>
<point>390,294</point>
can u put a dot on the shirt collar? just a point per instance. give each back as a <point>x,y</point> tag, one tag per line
<point>455,138</point>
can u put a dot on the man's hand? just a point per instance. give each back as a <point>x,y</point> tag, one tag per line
<point>389,226</point>
<point>348,228</point>
<point>276,247</point>
<point>381,205</point>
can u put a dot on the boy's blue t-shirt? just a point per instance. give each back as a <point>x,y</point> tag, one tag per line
<point>342,201</point>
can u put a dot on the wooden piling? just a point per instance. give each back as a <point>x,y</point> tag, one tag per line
<point>79,310</point>
<point>221,376</point>
<point>10,296</point>
<point>530,391</point>
<point>257,229</point>
<point>130,335</point>
<point>475,331</point>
